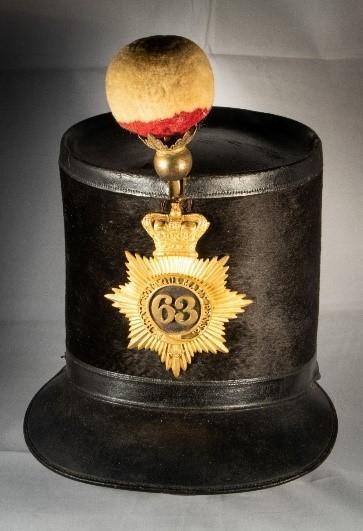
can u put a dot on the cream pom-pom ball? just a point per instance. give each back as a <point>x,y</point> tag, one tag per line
<point>161,85</point>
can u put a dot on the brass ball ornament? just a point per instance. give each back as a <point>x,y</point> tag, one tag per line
<point>173,165</point>
<point>172,162</point>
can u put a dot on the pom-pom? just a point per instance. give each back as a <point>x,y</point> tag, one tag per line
<point>160,85</point>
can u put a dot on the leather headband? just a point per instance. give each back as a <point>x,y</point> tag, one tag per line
<point>202,395</point>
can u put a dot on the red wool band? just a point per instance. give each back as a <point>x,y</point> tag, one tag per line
<point>178,124</point>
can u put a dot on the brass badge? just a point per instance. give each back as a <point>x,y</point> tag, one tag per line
<point>177,304</point>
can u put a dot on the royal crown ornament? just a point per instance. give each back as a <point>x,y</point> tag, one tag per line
<point>177,304</point>
<point>175,234</point>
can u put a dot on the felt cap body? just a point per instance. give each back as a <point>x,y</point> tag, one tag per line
<point>251,418</point>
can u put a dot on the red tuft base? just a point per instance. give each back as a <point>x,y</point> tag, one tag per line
<point>178,124</point>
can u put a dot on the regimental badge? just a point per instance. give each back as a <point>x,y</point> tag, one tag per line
<point>177,304</point>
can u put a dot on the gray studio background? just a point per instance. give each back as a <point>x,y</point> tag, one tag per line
<point>302,59</point>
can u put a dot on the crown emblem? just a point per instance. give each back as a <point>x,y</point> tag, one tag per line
<point>175,234</point>
<point>177,304</point>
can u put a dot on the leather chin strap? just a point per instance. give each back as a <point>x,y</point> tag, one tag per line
<point>202,395</point>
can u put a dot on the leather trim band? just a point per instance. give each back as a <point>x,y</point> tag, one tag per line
<point>303,163</point>
<point>210,186</point>
<point>213,395</point>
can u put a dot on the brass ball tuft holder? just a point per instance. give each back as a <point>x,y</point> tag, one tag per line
<point>172,161</point>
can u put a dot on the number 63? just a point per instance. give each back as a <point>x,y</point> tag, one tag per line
<point>181,310</point>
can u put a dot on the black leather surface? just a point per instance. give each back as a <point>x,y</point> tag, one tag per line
<point>184,452</point>
<point>154,393</point>
<point>235,152</point>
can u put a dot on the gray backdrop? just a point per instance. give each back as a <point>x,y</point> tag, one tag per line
<point>302,59</point>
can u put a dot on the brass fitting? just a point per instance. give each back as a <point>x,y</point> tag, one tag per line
<point>172,163</point>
